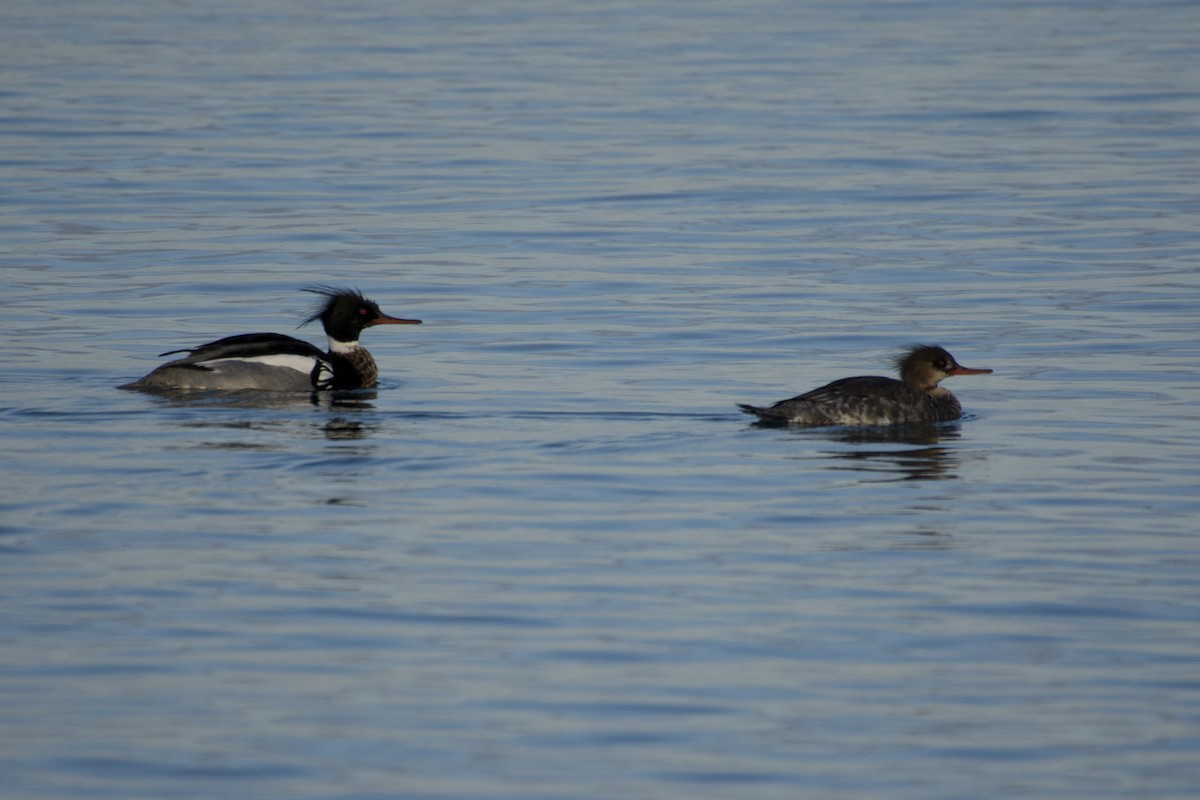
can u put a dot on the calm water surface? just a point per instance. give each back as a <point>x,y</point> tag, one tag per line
<point>547,558</point>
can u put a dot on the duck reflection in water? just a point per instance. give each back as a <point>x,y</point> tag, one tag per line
<point>922,453</point>
<point>346,404</point>
<point>895,452</point>
<point>352,400</point>
<point>342,429</point>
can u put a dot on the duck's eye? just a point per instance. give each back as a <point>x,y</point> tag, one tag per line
<point>940,363</point>
<point>362,312</point>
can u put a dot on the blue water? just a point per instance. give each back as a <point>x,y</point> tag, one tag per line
<point>548,558</point>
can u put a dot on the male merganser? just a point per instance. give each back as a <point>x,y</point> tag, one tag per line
<point>274,362</point>
<point>874,400</point>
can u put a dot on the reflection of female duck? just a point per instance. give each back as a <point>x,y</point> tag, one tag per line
<point>875,400</point>
<point>274,362</point>
<point>896,452</point>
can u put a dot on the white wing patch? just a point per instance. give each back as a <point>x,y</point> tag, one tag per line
<point>255,372</point>
<point>302,364</point>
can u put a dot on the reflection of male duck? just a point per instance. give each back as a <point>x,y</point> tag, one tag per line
<point>875,400</point>
<point>274,362</point>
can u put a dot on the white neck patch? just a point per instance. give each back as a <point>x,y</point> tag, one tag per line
<point>341,347</point>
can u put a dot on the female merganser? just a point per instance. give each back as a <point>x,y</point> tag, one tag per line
<point>874,400</point>
<point>274,362</point>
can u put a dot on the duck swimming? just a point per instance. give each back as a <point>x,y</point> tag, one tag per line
<point>875,400</point>
<point>279,363</point>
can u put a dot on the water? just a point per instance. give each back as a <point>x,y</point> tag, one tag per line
<point>548,558</point>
